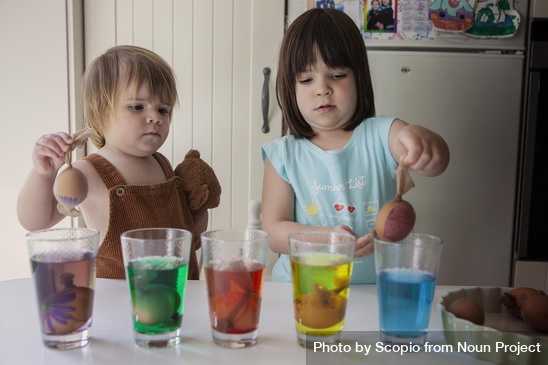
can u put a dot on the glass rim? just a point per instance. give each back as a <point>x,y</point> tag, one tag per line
<point>211,235</point>
<point>330,233</point>
<point>182,233</point>
<point>432,239</point>
<point>38,234</point>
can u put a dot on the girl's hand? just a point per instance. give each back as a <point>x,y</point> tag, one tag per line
<point>49,152</point>
<point>423,151</point>
<point>364,244</point>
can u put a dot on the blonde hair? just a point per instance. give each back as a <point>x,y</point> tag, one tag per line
<point>112,73</point>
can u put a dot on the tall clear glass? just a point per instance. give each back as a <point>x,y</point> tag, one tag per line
<point>234,262</point>
<point>321,269</point>
<point>406,280</point>
<point>156,261</point>
<point>63,263</point>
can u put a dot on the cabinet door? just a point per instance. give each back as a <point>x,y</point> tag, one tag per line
<point>473,101</point>
<point>218,50</point>
<point>39,43</point>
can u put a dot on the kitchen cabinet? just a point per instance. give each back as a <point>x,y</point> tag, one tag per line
<point>473,100</point>
<point>218,50</point>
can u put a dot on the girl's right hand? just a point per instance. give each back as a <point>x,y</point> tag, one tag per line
<point>49,152</point>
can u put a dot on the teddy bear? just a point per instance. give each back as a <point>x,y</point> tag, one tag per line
<point>199,182</point>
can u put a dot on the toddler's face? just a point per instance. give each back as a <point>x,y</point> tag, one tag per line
<point>141,123</point>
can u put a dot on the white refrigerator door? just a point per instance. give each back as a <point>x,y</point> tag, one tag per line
<point>473,101</point>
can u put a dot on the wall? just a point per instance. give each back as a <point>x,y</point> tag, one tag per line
<point>34,97</point>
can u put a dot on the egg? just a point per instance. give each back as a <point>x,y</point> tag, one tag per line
<point>395,220</point>
<point>468,309</point>
<point>235,312</point>
<point>312,310</point>
<point>515,299</point>
<point>67,310</point>
<point>155,305</point>
<point>70,188</point>
<point>534,312</point>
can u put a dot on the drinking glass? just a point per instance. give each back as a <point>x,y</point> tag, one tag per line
<point>234,262</point>
<point>63,264</point>
<point>156,261</point>
<point>406,280</point>
<point>321,269</point>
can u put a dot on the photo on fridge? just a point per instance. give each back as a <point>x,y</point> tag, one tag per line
<point>380,15</point>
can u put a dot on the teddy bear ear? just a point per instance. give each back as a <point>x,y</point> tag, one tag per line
<point>193,154</point>
<point>198,197</point>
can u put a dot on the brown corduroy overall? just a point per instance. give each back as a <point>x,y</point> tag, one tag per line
<point>139,206</point>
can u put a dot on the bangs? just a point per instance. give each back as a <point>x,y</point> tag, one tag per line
<point>160,83</point>
<point>321,39</point>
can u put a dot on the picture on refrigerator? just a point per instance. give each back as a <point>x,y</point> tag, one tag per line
<point>380,15</point>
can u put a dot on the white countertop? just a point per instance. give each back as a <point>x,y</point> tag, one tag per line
<point>112,337</point>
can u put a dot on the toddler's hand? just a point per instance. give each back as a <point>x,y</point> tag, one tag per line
<point>49,152</point>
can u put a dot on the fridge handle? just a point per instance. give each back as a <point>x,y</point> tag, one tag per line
<point>265,98</point>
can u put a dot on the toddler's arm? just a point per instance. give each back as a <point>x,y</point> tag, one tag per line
<point>36,204</point>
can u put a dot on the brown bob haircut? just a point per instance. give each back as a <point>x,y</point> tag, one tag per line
<point>333,36</point>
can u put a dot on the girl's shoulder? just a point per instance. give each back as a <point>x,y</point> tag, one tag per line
<point>376,122</point>
<point>374,130</point>
<point>283,142</point>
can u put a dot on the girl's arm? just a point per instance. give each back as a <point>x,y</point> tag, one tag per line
<point>423,151</point>
<point>36,204</point>
<point>278,215</point>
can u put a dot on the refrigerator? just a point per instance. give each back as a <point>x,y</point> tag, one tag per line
<point>467,87</point>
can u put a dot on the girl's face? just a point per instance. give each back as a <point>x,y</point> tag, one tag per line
<point>385,2</point>
<point>327,98</point>
<point>141,124</point>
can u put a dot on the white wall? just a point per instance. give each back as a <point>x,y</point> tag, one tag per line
<point>33,101</point>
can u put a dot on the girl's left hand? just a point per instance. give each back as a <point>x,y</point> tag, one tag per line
<point>364,245</point>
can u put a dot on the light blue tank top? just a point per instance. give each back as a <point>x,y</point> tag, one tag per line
<point>344,187</point>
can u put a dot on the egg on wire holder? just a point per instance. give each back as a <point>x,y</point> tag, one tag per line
<point>396,218</point>
<point>71,187</point>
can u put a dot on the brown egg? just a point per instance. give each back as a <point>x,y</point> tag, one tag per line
<point>468,309</point>
<point>70,187</point>
<point>395,220</point>
<point>312,310</point>
<point>514,299</point>
<point>535,312</point>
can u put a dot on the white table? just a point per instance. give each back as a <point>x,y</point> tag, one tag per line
<point>112,337</point>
